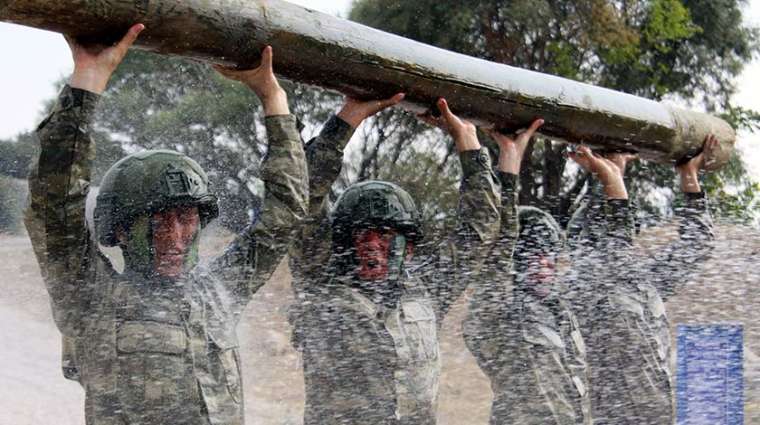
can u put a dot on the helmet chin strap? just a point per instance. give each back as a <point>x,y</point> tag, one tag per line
<point>396,257</point>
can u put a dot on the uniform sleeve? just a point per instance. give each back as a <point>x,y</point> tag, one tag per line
<point>485,327</point>
<point>461,259</point>
<point>55,218</point>
<point>254,255</point>
<point>324,155</point>
<point>674,265</point>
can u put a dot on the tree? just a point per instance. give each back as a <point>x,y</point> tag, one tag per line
<point>687,50</point>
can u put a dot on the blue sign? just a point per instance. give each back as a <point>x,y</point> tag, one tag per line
<point>710,378</point>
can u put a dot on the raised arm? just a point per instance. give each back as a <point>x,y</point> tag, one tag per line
<point>324,155</point>
<point>610,220</point>
<point>254,254</point>
<point>677,262</point>
<point>484,327</point>
<point>478,214</point>
<point>60,181</point>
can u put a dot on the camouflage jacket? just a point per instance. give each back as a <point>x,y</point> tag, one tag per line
<point>530,348</point>
<point>365,362</point>
<point>148,352</point>
<point>619,299</point>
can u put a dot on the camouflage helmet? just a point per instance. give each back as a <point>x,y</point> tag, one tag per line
<point>539,231</point>
<point>375,204</point>
<point>147,182</point>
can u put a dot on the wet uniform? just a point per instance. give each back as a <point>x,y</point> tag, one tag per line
<point>371,362</point>
<point>148,351</point>
<point>529,346</point>
<point>619,299</point>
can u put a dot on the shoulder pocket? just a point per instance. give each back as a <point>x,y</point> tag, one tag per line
<point>151,337</point>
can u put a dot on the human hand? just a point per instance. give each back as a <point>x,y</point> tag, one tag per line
<point>263,82</point>
<point>511,150</point>
<point>95,63</point>
<point>608,172</point>
<point>689,171</point>
<point>621,160</point>
<point>464,132</point>
<point>355,111</point>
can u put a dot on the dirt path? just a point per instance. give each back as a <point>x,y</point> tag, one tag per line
<point>35,392</point>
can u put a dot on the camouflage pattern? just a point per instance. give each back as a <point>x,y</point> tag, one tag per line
<point>529,346</point>
<point>149,351</point>
<point>370,362</point>
<point>619,298</point>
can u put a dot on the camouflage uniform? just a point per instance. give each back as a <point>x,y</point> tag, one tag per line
<point>370,362</point>
<point>619,299</point>
<point>152,352</point>
<point>529,346</point>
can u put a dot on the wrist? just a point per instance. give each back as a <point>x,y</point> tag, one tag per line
<point>615,192</point>
<point>352,118</point>
<point>509,166</point>
<point>615,189</point>
<point>467,144</point>
<point>89,79</point>
<point>509,163</point>
<point>275,103</point>
<point>690,184</point>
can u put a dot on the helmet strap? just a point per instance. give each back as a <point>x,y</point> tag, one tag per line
<point>396,257</point>
<point>138,251</point>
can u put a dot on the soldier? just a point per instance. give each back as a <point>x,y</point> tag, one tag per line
<point>521,331</point>
<point>155,344</point>
<point>620,296</point>
<point>368,310</point>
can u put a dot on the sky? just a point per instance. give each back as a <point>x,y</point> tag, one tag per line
<point>34,60</point>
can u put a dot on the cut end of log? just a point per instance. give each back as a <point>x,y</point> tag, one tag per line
<point>694,127</point>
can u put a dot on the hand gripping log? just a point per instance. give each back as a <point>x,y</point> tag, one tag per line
<point>326,51</point>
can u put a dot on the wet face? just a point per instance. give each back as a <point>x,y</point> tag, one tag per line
<point>173,233</point>
<point>540,274</point>
<point>372,250</point>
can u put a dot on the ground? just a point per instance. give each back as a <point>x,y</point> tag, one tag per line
<point>35,392</point>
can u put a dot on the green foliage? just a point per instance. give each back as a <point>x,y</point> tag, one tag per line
<point>689,49</point>
<point>16,155</point>
<point>732,195</point>
<point>692,49</point>
<point>158,102</point>
<point>12,200</point>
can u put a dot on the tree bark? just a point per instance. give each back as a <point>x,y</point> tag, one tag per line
<point>323,50</point>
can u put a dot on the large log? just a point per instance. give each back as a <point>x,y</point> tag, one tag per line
<point>323,50</point>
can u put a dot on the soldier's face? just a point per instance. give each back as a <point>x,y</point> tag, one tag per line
<point>173,233</point>
<point>372,249</point>
<point>540,274</point>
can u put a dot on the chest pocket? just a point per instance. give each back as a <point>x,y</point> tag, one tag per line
<point>150,337</point>
<point>417,333</point>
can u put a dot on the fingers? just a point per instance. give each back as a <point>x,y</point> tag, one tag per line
<point>706,158</point>
<point>267,56</point>
<point>583,157</point>
<point>448,116</point>
<point>533,128</point>
<point>393,101</point>
<point>129,39</point>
